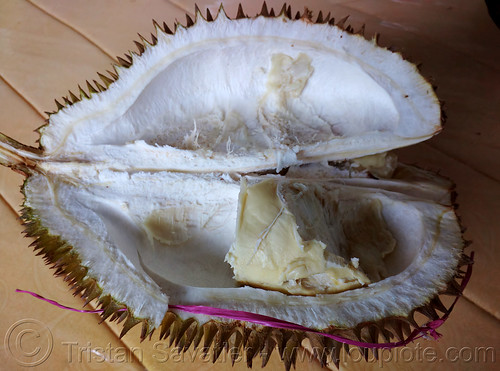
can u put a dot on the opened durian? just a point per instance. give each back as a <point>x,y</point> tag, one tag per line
<point>243,164</point>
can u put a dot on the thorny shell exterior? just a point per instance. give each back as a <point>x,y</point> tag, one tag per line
<point>185,331</point>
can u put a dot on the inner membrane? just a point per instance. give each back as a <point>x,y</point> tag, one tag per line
<point>255,94</point>
<point>177,229</point>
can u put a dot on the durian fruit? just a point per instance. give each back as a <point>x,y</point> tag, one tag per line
<point>244,164</point>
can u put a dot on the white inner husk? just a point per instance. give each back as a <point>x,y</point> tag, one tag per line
<point>143,179</point>
<point>248,95</point>
<point>108,220</point>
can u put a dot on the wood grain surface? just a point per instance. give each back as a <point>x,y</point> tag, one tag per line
<point>48,47</point>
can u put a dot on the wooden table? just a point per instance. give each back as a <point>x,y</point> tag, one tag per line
<point>50,46</point>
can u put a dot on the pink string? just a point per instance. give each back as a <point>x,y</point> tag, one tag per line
<point>60,305</point>
<point>423,331</point>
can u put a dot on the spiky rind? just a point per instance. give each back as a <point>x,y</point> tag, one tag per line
<point>235,337</point>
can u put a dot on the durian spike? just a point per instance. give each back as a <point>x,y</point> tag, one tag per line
<point>327,18</point>
<point>99,86</point>
<point>144,41</point>
<point>429,312</point>
<point>210,330</point>
<point>465,260</point>
<point>113,75</point>
<point>320,17</point>
<point>218,342</point>
<point>92,291</point>
<point>111,309</point>
<point>146,330</point>
<point>73,97</point>
<point>318,347</point>
<point>67,102</point>
<point>77,274</point>
<point>253,346</point>
<point>240,14</point>
<point>189,21</point>
<point>209,16</point>
<point>384,332</point>
<point>83,93</point>
<point>346,348</point>
<point>282,12</point>
<point>372,337</point>
<point>361,31</point>
<point>453,289</point>
<point>117,315</point>
<point>222,11</point>
<point>129,56</point>
<point>18,156</point>
<point>224,331</point>
<point>174,330</point>
<point>272,338</point>
<point>438,305</point>
<point>166,29</point>
<point>341,23</point>
<point>129,323</point>
<point>197,13</point>
<point>123,62</point>
<point>411,320</point>
<point>235,343</point>
<point>91,89</point>
<point>357,333</point>
<point>58,105</point>
<point>396,326</point>
<point>140,47</point>
<point>154,40</point>
<point>38,129</point>
<point>198,337</point>
<point>190,335</point>
<point>307,15</point>
<point>157,26</point>
<point>333,349</point>
<point>177,25</point>
<point>180,341</point>
<point>166,323</point>
<point>264,12</point>
<point>123,316</point>
<point>290,349</point>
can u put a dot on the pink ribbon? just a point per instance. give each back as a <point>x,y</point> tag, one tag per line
<point>423,331</point>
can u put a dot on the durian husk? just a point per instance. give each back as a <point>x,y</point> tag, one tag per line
<point>236,337</point>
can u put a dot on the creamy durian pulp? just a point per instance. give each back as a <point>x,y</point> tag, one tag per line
<point>300,238</point>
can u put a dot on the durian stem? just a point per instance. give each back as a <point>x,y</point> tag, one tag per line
<point>16,155</point>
